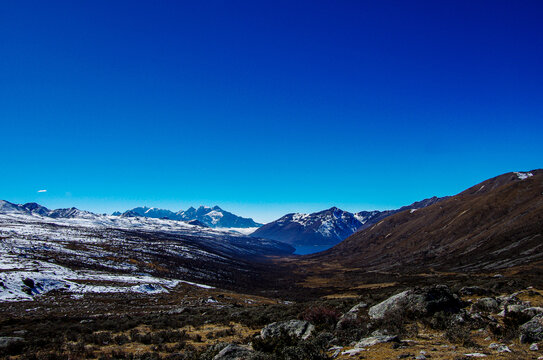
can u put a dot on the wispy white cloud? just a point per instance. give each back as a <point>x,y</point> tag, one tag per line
<point>42,190</point>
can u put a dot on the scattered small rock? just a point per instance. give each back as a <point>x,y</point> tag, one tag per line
<point>178,310</point>
<point>532,331</point>
<point>534,347</point>
<point>505,300</point>
<point>29,282</point>
<point>352,352</point>
<point>374,340</point>
<point>233,352</point>
<point>296,328</point>
<point>532,311</point>
<point>487,304</point>
<point>6,341</point>
<point>472,290</point>
<point>400,345</point>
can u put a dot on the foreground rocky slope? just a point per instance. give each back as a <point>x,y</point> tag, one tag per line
<point>435,322</point>
<point>497,224</point>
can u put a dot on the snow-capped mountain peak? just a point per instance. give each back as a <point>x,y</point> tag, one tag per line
<point>209,216</point>
<point>38,210</point>
<point>326,227</point>
<point>7,207</point>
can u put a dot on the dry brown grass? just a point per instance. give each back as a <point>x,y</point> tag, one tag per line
<point>376,286</point>
<point>533,296</point>
<point>435,344</point>
<point>341,296</point>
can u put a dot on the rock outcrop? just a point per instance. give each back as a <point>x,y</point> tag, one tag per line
<point>296,328</point>
<point>417,302</point>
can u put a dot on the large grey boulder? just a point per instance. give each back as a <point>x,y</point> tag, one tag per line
<point>233,352</point>
<point>532,331</point>
<point>506,300</point>
<point>417,302</point>
<point>295,328</point>
<point>6,341</point>
<point>393,304</point>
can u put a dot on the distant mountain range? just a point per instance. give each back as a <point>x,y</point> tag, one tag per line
<point>214,217</point>
<point>56,248</point>
<point>36,209</point>
<point>328,227</point>
<point>493,225</point>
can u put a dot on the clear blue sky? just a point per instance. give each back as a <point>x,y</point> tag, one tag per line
<point>265,107</point>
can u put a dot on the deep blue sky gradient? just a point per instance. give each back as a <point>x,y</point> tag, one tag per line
<point>265,107</point>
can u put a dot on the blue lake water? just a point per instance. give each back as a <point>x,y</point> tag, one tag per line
<point>311,249</point>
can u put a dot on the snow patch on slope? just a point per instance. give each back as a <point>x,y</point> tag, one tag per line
<point>23,279</point>
<point>39,248</point>
<point>524,175</point>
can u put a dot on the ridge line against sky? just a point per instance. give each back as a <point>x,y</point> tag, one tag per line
<point>265,108</point>
<point>260,213</point>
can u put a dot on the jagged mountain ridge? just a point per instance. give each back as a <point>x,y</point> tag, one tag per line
<point>7,207</point>
<point>327,227</point>
<point>493,225</point>
<point>214,217</point>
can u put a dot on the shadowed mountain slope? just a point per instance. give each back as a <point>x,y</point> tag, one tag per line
<point>327,227</point>
<point>493,225</point>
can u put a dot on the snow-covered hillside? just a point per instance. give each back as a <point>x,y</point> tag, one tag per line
<point>214,217</point>
<point>84,253</point>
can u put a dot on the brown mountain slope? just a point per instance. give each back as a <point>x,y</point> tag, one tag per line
<point>494,225</point>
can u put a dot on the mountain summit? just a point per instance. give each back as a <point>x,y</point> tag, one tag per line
<point>214,217</point>
<point>327,227</point>
<point>36,209</point>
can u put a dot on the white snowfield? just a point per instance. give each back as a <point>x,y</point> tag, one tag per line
<point>243,231</point>
<point>524,175</point>
<point>35,251</point>
<point>17,272</point>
